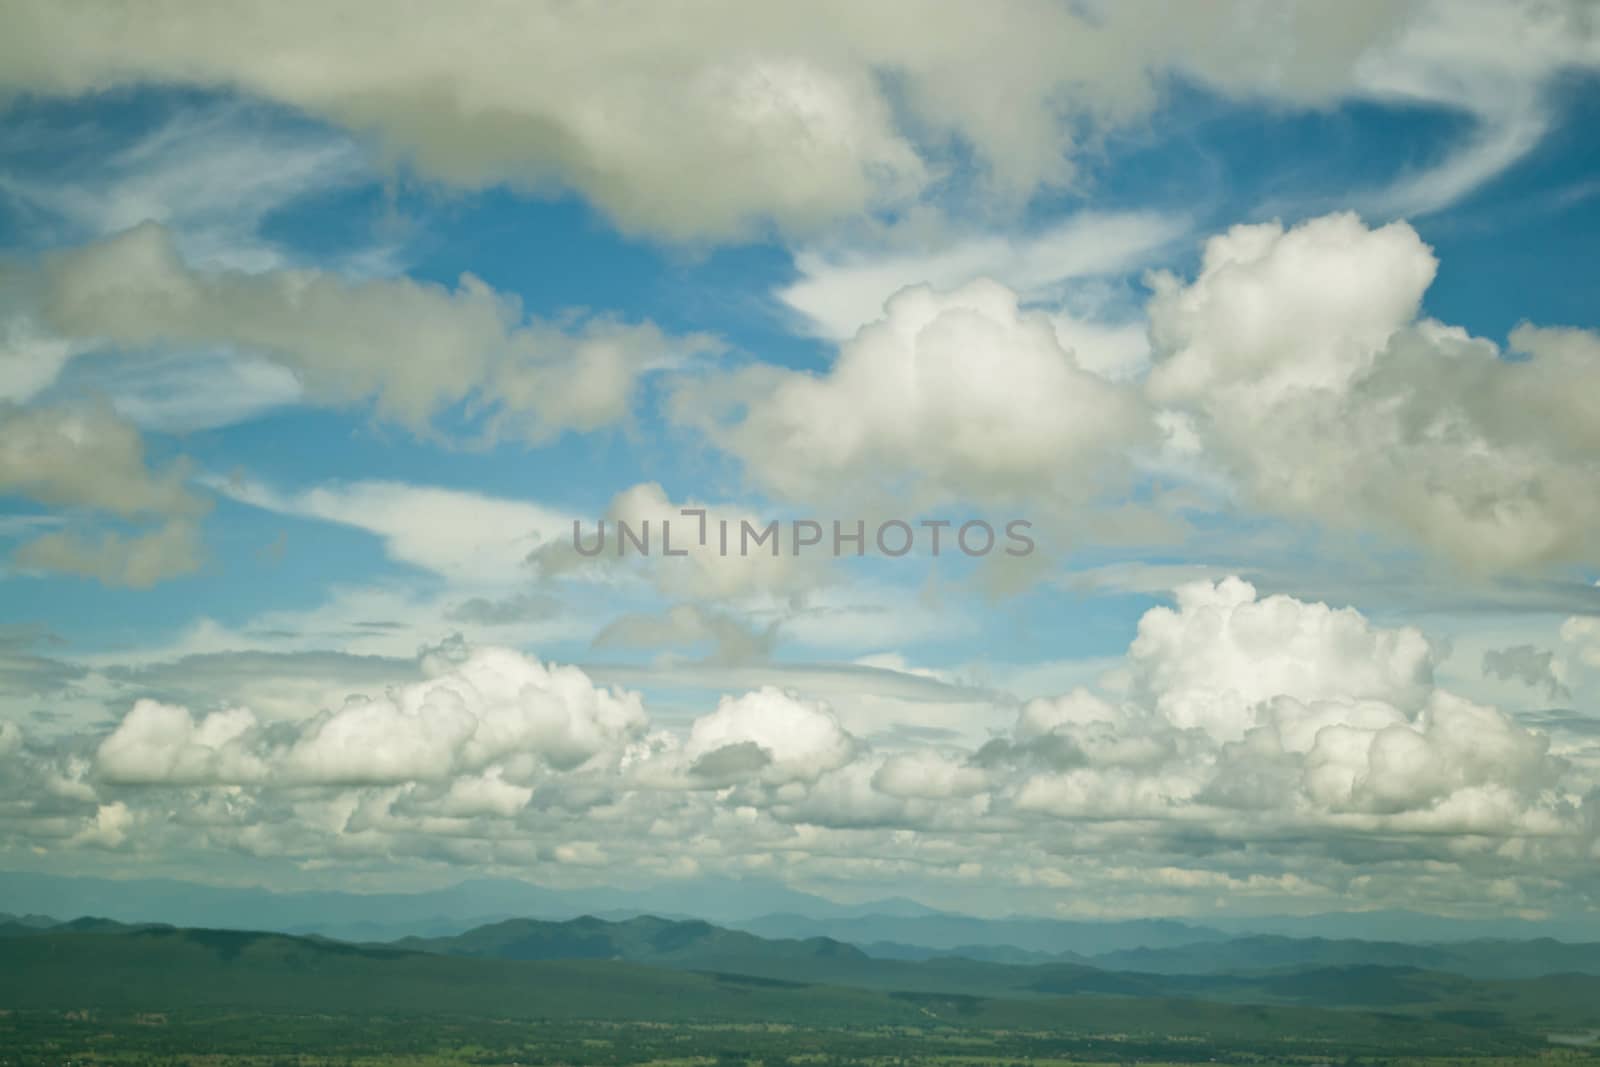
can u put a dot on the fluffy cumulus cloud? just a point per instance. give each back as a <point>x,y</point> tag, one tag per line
<point>1261,744</point>
<point>410,348</point>
<point>1465,764</point>
<point>704,119</point>
<point>1243,709</point>
<point>1244,716</point>
<point>952,395</point>
<point>492,708</point>
<point>1211,662</point>
<point>158,742</point>
<point>1293,375</point>
<point>783,737</point>
<point>1297,364</point>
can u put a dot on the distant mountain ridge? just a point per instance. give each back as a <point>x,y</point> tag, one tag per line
<point>893,928</point>
<point>162,968</point>
<point>703,972</point>
<point>694,944</point>
<point>428,913</point>
<point>1257,962</point>
<point>645,939</point>
<point>947,932</point>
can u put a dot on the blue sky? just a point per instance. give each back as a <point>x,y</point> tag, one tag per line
<point>313,354</point>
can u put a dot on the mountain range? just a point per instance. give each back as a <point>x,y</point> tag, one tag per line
<point>654,968</point>
<point>893,927</point>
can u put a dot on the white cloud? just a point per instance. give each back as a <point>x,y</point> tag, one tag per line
<point>89,460</point>
<point>1307,378</point>
<point>1293,369</point>
<point>1494,61</point>
<point>797,740</point>
<point>1116,350</point>
<point>1274,312</point>
<point>210,174</point>
<point>1461,759</point>
<point>158,742</point>
<point>486,794</point>
<point>1252,712</point>
<point>278,661</point>
<point>838,293</point>
<point>30,359</point>
<point>707,120</point>
<point>139,561</point>
<point>1336,751</point>
<point>182,392</point>
<point>1212,662</point>
<point>477,541</point>
<point>108,828</point>
<point>411,349</point>
<point>491,708</point>
<point>960,395</point>
<point>929,775</point>
<point>86,458</point>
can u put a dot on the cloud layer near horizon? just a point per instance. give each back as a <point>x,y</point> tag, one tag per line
<point>1263,724</point>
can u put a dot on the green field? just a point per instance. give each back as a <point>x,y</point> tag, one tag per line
<point>251,1039</point>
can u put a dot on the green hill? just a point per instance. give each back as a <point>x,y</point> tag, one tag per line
<point>700,946</point>
<point>656,970</point>
<point>1350,983</point>
<point>275,978</point>
<point>165,969</point>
